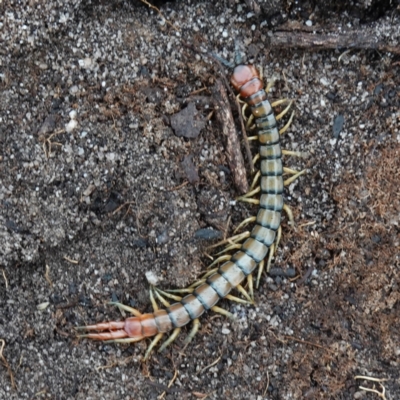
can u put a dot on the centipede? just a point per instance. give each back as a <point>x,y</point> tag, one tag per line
<point>218,283</point>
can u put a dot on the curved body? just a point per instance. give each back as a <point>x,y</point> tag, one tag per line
<point>246,81</point>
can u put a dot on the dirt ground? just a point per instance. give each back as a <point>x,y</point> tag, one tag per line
<point>94,197</point>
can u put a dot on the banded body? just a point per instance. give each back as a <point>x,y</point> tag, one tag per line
<point>247,83</point>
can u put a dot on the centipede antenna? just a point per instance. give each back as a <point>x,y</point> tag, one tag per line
<point>223,61</point>
<point>238,56</point>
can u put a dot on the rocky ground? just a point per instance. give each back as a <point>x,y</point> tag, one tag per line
<point>95,196</point>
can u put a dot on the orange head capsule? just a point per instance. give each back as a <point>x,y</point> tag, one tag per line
<point>246,80</point>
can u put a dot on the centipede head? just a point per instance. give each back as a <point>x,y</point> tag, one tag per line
<point>242,73</point>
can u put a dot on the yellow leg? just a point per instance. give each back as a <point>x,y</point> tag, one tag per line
<point>173,336</point>
<point>277,240</point>
<point>269,85</point>
<point>290,171</point>
<point>242,290</point>
<point>286,127</point>
<point>232,246</point>
<point>250,283</point>
<point>270,255</point>
<point>289,213</point>
<point>249,122</point>
<point>220,259</point>
<point>256,158</point>
<point>284,112</point>
<point>237,299</point>
<point>161,299</point>
<point>301,154</point>
<point>152,299</point>
<point>153,343</point>
<point>256,178</point>
<point>249,194</point>
<point>279,102</point>
<point>259,273</point>
<point>245,222</point>
<point>132,310</point>
<point>221,311</point>
<point>234,239</point>
<point>192,333</point>
<point>251,201</point>
<point>160,293</point>
<point>288,181</point>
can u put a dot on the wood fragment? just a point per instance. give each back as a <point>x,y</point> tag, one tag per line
<point>309,343</point>
<point>234,154</point>
<point>7,365</point>
<point>357,39</point>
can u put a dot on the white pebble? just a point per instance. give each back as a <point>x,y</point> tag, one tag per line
<point>42,306</point>
<point>71,125</point>
<point>225,331</point>
<point>309,22</point>
<point>152,278</point>
<point>324,81</point>
<point>73,114</point>
<point>73,90</point>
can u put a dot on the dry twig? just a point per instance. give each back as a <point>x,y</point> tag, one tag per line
<point>234,155</point>
<point>364,39</point>
<point>7,365</point>
<point>159,13</point>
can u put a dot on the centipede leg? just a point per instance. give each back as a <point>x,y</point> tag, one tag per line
<point>192,333</point>
<point>288,181</point>
<point>244,223</point>
<point>259,273</point>
<point>172,337</point>
<point>233,239</point>
<point>287,125</point>
<point>289,213</point>
<point>220,259</point>
<point>249,194</point>
<point>153,343</point>
<point>160,293</point>
<point>238,299</point>
<point>132,310</point>
<point>285,110</point>
<point>300,154</point>
<point>242,290</point>
<point>256,178</point>
<point>223,312</point>
<point>250,284</point>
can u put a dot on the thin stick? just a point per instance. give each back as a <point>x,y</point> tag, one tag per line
<point>5,278</point>
<point>211,365</point>
<point>7,365</point>
<point>47,276</point>
<point>357,39</point>
<point>309,343</point>
<point>160,13</point>
<point>235,157</point>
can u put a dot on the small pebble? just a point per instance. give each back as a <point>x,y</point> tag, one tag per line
<point>71,125</point>
<point>152,278</point>
<point>42,306</point>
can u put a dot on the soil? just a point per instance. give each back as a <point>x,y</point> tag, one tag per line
<point>100,193</point>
